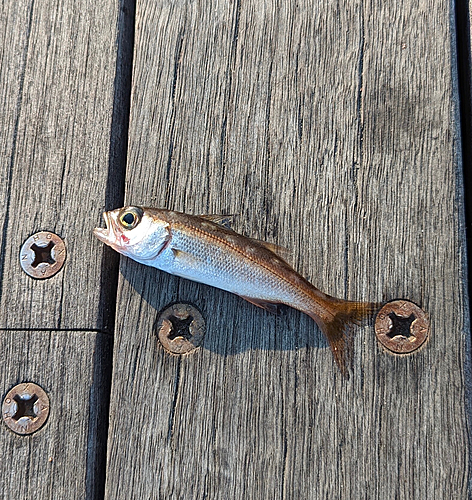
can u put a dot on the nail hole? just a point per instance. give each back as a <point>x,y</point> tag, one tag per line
<point>180,328</point>
<point>401,326</point>
<point>25,407</point>
<point>42,254</point>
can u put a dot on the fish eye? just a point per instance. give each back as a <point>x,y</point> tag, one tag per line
<point>131,217</point>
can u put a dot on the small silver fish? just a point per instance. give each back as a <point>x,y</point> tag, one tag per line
<point>201,249</point>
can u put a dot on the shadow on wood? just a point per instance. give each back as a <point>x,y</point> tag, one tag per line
<point>289,329</point>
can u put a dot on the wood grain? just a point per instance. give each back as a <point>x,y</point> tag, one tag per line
<point>57,89</point>
<point>60,459</point>
<point>330,130</point>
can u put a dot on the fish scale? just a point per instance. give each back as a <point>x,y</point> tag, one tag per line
<point>223,267</point>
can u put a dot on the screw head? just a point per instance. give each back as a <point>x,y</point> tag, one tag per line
<point>25,408</point>
<point>402,327</point>
<point>42,255</point>
<point>180,328</point>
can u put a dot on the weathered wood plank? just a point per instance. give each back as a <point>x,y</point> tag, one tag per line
<point>330,130</point>
<point>413,133</point>
<point>59,460</point>
<point>57,88</point>
<point>60,87</point>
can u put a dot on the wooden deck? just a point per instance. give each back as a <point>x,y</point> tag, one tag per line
<point>333,130</point>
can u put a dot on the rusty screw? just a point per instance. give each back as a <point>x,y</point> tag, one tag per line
<point>180,328</point>
<point>42,255</point>
<point>25,408</point>
<point>402,327</point>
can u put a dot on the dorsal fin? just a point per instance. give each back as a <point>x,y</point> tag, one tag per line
<point>227,220</point>
<point>282,252</point>
<point>222,220</point>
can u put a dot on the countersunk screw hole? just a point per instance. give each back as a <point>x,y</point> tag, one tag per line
<point>180,328</point>
<point>42,254</point>
<point>25,407</point>
<point>401,326</point>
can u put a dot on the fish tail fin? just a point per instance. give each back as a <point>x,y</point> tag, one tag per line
<point>337,325</point>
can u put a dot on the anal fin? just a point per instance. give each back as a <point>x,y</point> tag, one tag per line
<point>268,306</point>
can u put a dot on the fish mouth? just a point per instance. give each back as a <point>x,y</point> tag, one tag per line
<point>103,234</point>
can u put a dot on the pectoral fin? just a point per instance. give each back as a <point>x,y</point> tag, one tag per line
<point>184,257</point>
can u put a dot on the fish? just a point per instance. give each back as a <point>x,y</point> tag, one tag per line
<point>203,248</point>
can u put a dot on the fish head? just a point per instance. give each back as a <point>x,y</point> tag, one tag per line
<point>134,232</point>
